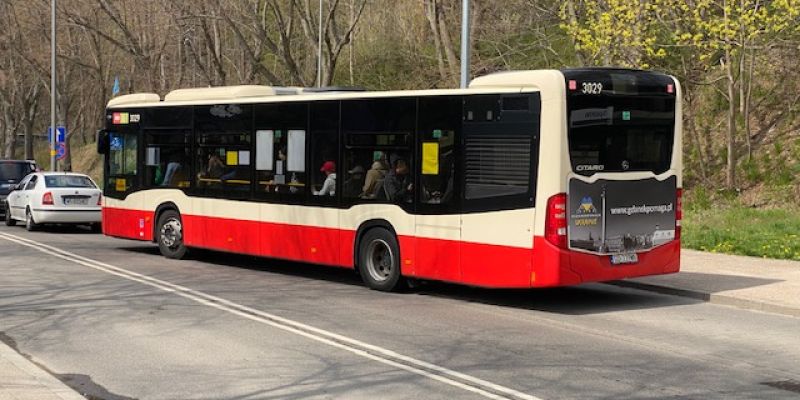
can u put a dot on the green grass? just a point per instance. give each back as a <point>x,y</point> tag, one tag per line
<point>768,233</point>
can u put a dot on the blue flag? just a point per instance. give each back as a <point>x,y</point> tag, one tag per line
<point>115,89</point>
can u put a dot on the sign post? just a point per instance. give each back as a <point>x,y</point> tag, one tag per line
<point>53,91</point>
<point>59,146</point>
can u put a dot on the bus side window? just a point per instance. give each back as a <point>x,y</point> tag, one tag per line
<point>439,121</point>
<point>280,146</point>
<point>224,160</point>
<point>324,160</point>
<point>378,150</point>
<point>167,158</point>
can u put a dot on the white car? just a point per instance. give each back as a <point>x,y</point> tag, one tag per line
<point>55,198</point>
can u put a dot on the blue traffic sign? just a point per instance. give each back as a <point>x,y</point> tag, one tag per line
<point>62,134</point>
<point>61,150</point>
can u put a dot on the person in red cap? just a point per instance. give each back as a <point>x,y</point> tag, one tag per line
<point>329,186</point>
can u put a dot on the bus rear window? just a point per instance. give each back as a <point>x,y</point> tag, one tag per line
<point>620,135</point>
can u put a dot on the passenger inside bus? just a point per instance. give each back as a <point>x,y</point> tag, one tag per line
<point>215,167</point>
<point>354,183</point>
<point>398,184</point>
<point>329,186</point>
<point>375,175</point>
<point>172,168</point>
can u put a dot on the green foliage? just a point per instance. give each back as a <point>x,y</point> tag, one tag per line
<point>773,233</point>
<point>622,32</point>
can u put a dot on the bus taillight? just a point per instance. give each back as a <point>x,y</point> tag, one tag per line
<point>555,228</point>
<point>678,213</point>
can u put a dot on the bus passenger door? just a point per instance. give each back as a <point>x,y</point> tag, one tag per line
<point>438,221</point>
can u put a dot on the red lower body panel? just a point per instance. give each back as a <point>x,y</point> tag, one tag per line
<point>557,267</point>
<point>128,224</point>
<point>446,260</point>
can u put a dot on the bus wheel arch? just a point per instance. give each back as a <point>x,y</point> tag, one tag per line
<point>377,256</point>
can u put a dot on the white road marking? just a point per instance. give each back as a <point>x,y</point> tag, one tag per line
<point>450,377</point>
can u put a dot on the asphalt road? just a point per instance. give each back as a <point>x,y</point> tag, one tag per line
<point>116,320</point>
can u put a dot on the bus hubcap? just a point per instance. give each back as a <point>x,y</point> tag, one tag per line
<point>171,233</point>
<point>380,260</point>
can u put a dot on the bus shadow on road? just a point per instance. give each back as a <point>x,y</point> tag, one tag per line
<point>269,265</point>
<point>578,300</point>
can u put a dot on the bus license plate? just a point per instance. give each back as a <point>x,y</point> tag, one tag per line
<point>631,258</point>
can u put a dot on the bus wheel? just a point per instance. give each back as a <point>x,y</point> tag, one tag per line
<point>170,235</point>
<point>379,260</point>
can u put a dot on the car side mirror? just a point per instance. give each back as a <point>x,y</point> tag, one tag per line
<point>102,141</point>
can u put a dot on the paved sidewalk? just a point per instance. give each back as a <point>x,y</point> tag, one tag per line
<point>745,282</point>
<point>20,379</point>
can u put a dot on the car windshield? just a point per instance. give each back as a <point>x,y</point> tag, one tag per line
<point>68,181</point>
<point>12,172</point>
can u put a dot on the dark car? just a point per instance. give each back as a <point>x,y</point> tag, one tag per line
<point>11,172</point>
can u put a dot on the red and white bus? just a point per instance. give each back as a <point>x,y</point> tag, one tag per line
<point>524,179</point>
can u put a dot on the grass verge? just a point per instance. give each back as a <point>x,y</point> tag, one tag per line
<point>768,233</point>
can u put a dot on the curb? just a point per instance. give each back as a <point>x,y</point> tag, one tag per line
<point>22,379</point>
<point>713,298</point>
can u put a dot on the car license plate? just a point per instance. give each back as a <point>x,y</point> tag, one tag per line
<point>76,201</point>
<point>631,258</point>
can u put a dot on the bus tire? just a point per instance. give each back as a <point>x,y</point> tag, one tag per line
<point>169,235</point>
<point>379,260</point>
<point>9,221</point>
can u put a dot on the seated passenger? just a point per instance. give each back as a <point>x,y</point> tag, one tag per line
<point>353,184</point>
<point>215,167</point>
<point>329,186</point>
<point>398,183</point>
<point>376,173</point>
<point>172,168</point>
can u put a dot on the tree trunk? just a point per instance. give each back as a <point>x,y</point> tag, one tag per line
<point>731,83</point>
<point>430,12</point>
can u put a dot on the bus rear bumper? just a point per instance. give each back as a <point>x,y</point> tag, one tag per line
<point>557,267</point>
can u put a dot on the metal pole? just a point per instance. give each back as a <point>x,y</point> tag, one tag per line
<point>53,166</point>
<point>464,43</point>
<point>319,48</point>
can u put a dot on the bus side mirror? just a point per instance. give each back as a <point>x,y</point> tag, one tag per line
<point>102,141</point>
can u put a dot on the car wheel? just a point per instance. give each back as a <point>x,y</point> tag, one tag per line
<point>169,235</point>
<point>30,224</point>
<point>379,260</point>
<point>9,221</point>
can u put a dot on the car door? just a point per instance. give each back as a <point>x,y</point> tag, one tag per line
<point>28,195</point>
<point>15,198</point>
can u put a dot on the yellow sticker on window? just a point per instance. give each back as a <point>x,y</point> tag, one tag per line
<point>120,185</point>
<point>430,158</point>
<point>232,158</point>
<point>124,118</point>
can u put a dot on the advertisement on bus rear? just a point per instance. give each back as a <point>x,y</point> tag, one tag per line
<point>609,217</point>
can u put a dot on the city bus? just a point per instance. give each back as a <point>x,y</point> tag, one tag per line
<point>525,179</point>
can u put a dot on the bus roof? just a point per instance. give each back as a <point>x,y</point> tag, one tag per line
<point>505,82</point>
